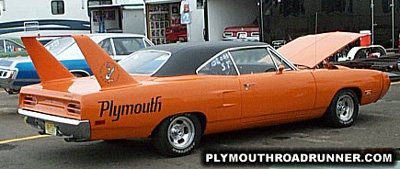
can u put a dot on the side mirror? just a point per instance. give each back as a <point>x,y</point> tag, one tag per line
<point>280,69</point>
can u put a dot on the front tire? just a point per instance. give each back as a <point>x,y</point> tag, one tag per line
<point>177,135</point>
<point>343,110</point>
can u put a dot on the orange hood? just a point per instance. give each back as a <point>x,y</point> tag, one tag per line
<point>311,50</point>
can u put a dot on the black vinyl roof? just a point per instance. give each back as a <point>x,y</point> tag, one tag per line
<point>187,57</point>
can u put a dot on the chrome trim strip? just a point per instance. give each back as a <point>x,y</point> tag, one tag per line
<point>234,63</point>
<point>283,58</point>
<point>50,117</point>
<point>239,33</point>
<point>7,81</point>
<point>113,46</point>
<point>273,60</point>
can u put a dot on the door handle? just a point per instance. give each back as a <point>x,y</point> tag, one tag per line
<point>248,85</point>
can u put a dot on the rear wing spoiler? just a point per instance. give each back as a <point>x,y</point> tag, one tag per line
<point>109,74</point>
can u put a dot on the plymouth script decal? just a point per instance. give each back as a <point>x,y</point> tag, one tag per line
<point>117,111</point>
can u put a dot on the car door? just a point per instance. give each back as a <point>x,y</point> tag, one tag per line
<point>222,90</point>
<point>267,96</point>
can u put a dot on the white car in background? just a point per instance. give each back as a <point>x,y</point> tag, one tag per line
<point>18,72</point>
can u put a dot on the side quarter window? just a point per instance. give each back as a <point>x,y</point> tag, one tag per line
<point>220,65</point>
<point>255,60</point>
<point>278,60</point>
<point>107,46</point>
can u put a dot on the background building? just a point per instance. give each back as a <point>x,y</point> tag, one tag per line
<point>288,19</point>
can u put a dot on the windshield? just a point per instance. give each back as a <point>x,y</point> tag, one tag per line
<point>58,45</point>
<point>144,62</point>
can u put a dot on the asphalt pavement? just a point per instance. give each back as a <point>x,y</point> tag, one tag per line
<point>21,147</point>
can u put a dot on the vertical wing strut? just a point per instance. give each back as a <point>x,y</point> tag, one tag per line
<point>47,66</point>
<point>108,73</point>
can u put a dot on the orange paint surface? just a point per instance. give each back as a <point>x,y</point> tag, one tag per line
<point>132,106</point>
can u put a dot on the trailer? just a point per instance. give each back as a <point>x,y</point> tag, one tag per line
<point>118,17</point>
<point>27,17</point>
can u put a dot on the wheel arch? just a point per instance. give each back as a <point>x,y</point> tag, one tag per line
<point>356,90</point>
<point>82,72</point>
<point>201,116</point>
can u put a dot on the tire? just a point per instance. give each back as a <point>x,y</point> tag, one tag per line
<point>177,135</point>
<point>343,110</point>
<point>77,74</point>
<point>114,141</point>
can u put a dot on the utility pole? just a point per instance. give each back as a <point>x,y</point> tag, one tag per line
<point>372,23</point>
<point>316,22</point>
<point>261,20</point>
<point>393,28</point>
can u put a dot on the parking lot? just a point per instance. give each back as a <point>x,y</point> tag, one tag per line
<point>21,146</point>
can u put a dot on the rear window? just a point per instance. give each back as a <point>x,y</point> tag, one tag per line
<point>126,46</point>
<point>144,62</point>
<point>58,45</point>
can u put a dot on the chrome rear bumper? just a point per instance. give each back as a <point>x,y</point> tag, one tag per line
<point>75,130</point>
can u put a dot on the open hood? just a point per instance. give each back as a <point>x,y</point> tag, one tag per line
<point>311,50</point>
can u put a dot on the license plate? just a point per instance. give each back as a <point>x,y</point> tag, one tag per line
<point>50,128</point>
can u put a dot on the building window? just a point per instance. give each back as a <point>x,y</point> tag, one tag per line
<point>99,2</point>
<point>96,3</point>
<point>2,5</point>
<point>386,8</point>
<point>57,7</point>
<point>200,4</point>
<point>331,6</point>
<point>292,7</point>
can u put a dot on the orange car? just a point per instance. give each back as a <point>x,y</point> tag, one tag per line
<point>176,93</point>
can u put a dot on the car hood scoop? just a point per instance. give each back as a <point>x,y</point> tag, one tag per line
<point>311,50</point>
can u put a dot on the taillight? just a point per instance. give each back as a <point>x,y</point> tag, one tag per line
<point>74,108</point>
<point>255,34</point>
<point>227,34</point>
<point>30,100</point>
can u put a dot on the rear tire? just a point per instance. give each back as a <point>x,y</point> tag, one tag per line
<point>177,135</point>
<point>343,110</point>
<point>77,74</point>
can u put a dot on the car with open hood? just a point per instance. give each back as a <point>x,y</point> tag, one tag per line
<point>17,72</point>
<point>176,93</point>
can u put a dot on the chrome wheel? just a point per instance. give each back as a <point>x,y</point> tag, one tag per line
<point>345,107</point>
<point>343,110</point>
<point>181,132</point>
